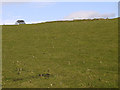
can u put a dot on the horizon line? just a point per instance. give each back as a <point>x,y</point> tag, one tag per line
<point>67,20</point>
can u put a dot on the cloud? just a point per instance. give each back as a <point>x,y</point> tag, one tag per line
<point>88,15</point>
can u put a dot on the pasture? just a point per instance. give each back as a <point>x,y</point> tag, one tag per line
<point>66,54</point>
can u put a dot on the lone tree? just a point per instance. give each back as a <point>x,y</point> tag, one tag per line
<point>20,22</point>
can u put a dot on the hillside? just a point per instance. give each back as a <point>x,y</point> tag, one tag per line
<point>81,54</point>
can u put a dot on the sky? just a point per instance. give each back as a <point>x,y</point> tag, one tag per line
<point>36,12</point>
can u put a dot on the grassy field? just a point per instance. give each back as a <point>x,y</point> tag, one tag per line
<point>71,54</point>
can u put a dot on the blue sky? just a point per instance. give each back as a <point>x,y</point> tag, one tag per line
<point>33,12</point>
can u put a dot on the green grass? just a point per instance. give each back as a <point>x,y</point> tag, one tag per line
<point>78,54</point>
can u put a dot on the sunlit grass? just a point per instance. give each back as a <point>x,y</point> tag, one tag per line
<point>81,54</point>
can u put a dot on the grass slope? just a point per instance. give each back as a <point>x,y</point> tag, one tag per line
<point>76,54</point>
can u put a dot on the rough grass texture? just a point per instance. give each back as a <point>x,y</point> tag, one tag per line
<point>71,54</point>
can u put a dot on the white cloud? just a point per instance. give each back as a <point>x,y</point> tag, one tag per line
<point>88,15</point>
